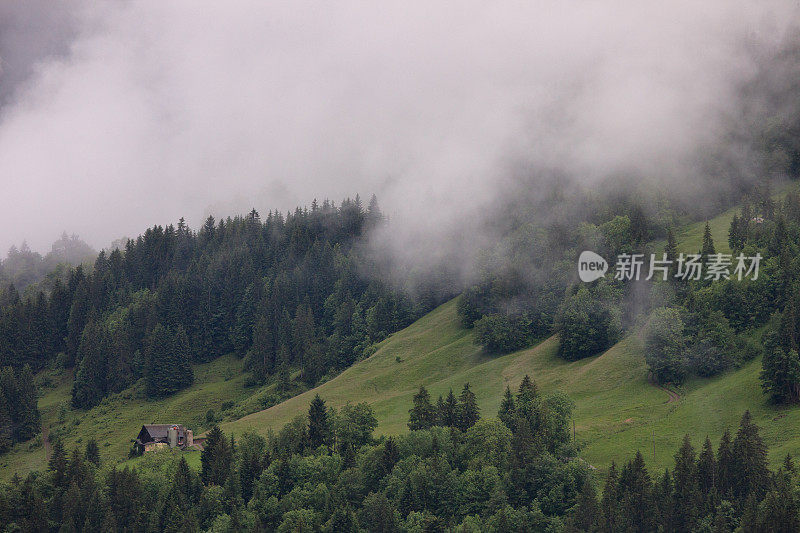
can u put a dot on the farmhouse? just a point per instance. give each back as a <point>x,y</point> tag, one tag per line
<point>155,436</point>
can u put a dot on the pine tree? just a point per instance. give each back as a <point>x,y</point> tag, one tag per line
<point>707,472</point>
<point>671,251</point>
<point>422,415</point>
<point>586,513</point>
<point>636,492</point>
<point>6,426</point>
<point>318,425</point>
<point>750,472</point>
<point>609,504</point>
<point>390,456</point>
<point>92,453</point>
<point>448,415</point>
<point>687,494</point>
<point>216,458</point>
<point>707,249</point>
<point>507,411</point>
<point>780,370</point>
<point>90,384</point>
<point>725,474</point>
<point>58,464</point>
<point>468,410</point>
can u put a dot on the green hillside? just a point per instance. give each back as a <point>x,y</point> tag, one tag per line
<point>617,410</point>
<point>218,386</point>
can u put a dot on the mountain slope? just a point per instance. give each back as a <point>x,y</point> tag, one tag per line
<point>617,411</point>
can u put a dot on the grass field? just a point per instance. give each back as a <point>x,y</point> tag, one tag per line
<point>218,385</point>
<point>617,411</point>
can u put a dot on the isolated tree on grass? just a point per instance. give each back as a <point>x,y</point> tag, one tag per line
<point>665,346</point>
<point>92,452</point>
<point>707,248</point>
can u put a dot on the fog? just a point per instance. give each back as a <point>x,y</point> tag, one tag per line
<point>119,115</point>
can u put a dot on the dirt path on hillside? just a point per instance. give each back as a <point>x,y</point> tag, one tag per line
<point>673,396</point>
<point>48,449</point>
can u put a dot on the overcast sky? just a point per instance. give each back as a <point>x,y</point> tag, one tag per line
<point>119,115</point>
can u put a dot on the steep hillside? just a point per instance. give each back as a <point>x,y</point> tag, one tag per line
<point>617,410</point>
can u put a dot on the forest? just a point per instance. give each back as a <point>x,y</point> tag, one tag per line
<point>454,471</point>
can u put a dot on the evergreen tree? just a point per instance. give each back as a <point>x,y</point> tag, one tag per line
<point>448,412</point>
<point>390,456</point>
<point>707,472</point>
<point>687,494</point>
<point>586,512</point>
<point>609,504</point>
<point>707,249</point>
<point>507,411</point>
<point>216,458</point>
<point>780,373</point>
<point>468,410</point>
<point>92,452</point>
<point>90,384</point>
<point>750,472</point>
<point>318,424</point>
<point>725,465</point>
<point>422,415</point>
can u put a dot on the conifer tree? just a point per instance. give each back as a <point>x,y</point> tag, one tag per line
<point>609,504</point>
<point>468,410</point>
<point>92,452</point>
<point>706,472</point>
<point>707,249</point>
<point>216,458</point>
<point>587,511</point>
<point>725,474</point>
<point>6,426</point>
<point>687,494</point>
<point>780,369</point>
<point>750,472</point>
<point>89,386</point>
<point>507,411</point>
<point>390,456</point>
<point>318,424</point>
<point>448,415</point>
<point>422,415</point>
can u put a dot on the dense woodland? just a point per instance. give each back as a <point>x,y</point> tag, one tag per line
<point>289,293</point>
<point>454,471</point>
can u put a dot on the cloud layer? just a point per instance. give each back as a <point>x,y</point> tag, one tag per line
<point>143,111</point>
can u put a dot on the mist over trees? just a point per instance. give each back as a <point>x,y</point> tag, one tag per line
<point>23,267</point>
<point>288,292</point>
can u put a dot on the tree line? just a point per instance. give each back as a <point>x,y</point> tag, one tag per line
<point>288,292</point>
<point>325,471</point>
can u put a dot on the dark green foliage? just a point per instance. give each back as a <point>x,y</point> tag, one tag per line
<point>19,412</point>
<point>467,412</point>
<point>587,326</point>
<point>500,333</point>
<point>167,362</point>
<point>422,415</point>
<point>708,248</point>
<point>216,459</point>
<point>665,346</point>
<point>286,291</point>
<point>319,427</point>
<point>780,374</point>
<point>92,453</point>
